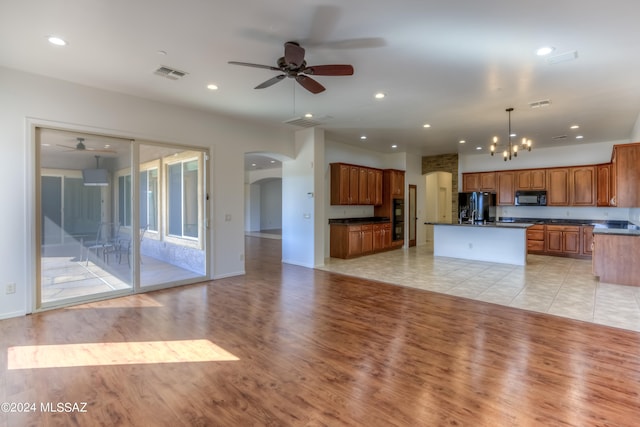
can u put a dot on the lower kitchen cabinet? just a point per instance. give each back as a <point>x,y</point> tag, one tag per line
<point>354,240</point>
<point>535,239</point>
<point>562,239</point>
<point>615,259</point>
<point>573,241</point>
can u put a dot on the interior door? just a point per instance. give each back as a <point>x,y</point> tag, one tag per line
<point>412,215</point>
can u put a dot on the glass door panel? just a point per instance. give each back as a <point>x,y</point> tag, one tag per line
<point>171,239</point>
<point>79,234</point>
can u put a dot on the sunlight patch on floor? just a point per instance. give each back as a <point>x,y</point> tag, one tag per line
<point>115,353</point>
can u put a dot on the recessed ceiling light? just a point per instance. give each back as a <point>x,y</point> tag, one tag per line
<point>56,41</point>
<point>379,95</point>
<point>308,115</point>
<point>272,161</point>
<point>545,50</point>
<point>575,127</point>
<point>462,141</point>
<point>394,146</point>
<point>363,137</point>
<point>212,86</point>
<point>426,125</point>
<point>478,148</point>
<point>579,136</point>
<point>254,165</point>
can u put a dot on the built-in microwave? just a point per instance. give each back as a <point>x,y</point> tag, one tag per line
<point>531,198</point>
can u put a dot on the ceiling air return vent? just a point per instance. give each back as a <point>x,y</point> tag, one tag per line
<point>305,122</point>
<point>541,103</point>
<point>169,73</point>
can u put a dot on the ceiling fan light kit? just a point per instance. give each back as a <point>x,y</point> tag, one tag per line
<point>511,149</point>
<point>294,66</point>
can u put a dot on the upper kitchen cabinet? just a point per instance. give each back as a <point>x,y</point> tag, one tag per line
<point>370,186</point>
<point>479,181</point>
<point>506,184</point>
<point>625,176</point>
<point>396,183</point>
<point>582,186</point>
<point>355,185</point>
<point>558,187</point>
<point>603,184</point>
<point>345,181</point>
<point>531,179</point>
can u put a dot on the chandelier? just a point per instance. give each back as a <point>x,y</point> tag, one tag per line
<point>511,149</point>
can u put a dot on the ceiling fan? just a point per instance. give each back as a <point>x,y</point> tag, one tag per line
<point>80,146</point>
<point>293,65</point>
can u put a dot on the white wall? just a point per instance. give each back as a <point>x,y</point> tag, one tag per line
<point>302,188</point>
<point>28,98</point>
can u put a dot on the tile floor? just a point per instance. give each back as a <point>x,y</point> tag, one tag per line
<point>559,286</point>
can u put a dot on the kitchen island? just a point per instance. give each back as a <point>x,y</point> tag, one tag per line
<point>504,243</point>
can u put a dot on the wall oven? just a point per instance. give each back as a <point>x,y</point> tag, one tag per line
<point>397,226</point>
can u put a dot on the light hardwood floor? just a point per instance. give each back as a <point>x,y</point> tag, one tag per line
<point>290,346</point>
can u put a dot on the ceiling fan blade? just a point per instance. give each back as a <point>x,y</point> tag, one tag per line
<point>309,84</point>
<point>270,82</point>
<point>248,64</point>
<point>329,70</point>
<point>67,147</point>
<point>293,54</point>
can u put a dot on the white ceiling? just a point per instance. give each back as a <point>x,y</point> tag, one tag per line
<point>455,64</point>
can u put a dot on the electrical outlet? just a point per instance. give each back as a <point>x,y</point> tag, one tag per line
<point>11,288</point>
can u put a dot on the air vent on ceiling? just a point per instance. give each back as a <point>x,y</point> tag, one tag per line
<point>559,137</point>
<point>563,57</point>
<point>302,122</point>
<point>541,103</point>
<point>169,73</point>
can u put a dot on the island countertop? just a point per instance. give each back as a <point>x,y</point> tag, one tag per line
<point>487,224</point>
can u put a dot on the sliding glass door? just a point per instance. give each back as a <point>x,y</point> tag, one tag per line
<point>117,216</point>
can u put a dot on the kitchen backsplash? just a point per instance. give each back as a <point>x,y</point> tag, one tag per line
<point>624,214</point>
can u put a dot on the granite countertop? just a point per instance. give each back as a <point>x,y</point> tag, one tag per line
<point>363,220</point>
<point>618,231</point>
<point>487,224</point>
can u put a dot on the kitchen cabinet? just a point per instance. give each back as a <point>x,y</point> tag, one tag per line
<point>377,190</point>
<point>381,236</point>
<point>582,186</point>
<point>355,185</point>
<point>558,187</point>
<point>531,179</point>
<point>368,191</point>
<point>603,184</point>
<point>354,240</point>
<point>396,183</point>
<point>615,259</point>
<point>505,188</point>
<point>625,175</point>
<point>587,240</point>
<point>479,181</point>
<point>562,240</point>
<point>535,239</point>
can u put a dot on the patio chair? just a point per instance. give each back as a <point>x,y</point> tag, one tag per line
<point>124,247</point>
<point>103,242</point>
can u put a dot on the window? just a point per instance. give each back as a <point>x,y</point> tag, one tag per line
<point>149,199</point>
<point>183,198</point>
<point>124,200</point>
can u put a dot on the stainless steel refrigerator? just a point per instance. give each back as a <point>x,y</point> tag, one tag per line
<point>477,207</point>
